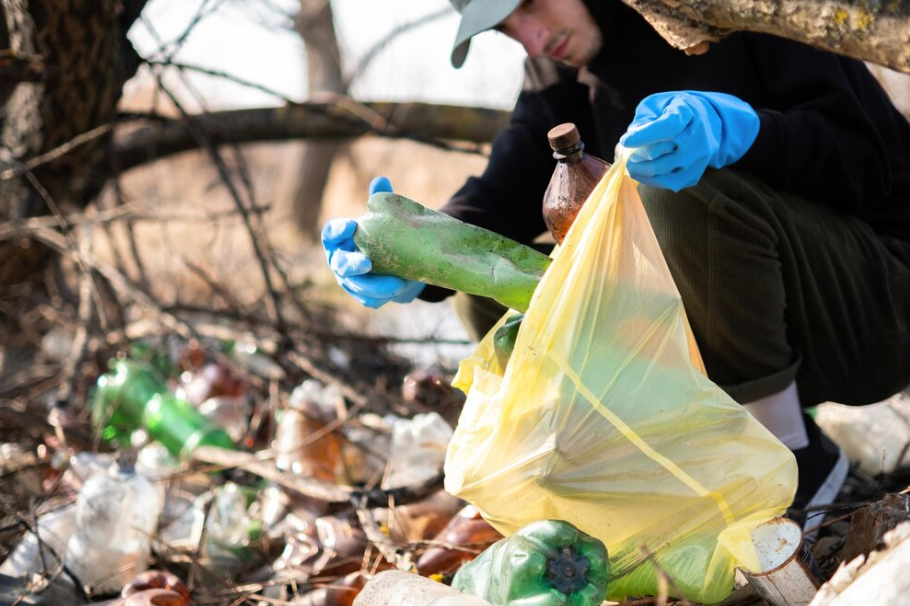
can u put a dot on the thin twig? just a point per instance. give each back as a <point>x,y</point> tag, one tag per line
<point>72,245</point>
<point>224,75</point>
<point>272,304</point>
<point>81,341</point>
<point>57,152</point>
<point>378,47</point>
<point>121,284</point>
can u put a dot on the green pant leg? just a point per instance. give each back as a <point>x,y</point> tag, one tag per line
<point>777,288</point>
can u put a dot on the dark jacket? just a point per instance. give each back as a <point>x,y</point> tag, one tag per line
<point>829,132</point>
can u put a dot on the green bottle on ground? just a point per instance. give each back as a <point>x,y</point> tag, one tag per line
<point>133,396</point>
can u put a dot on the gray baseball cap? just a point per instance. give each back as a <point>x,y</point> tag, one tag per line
<point>477,16</point>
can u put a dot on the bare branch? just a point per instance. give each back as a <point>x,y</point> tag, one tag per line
<point>57,152</point>
<point>377,48</point>
<point>224,75</point>
<point>424,122</point>
<point>169,49</point>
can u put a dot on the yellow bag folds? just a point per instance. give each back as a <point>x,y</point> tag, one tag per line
<point>605,418</point>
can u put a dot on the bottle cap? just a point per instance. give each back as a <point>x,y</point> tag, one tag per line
<point>125,462</point>
<point>563,136</point>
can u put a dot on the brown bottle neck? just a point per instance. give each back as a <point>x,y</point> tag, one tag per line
<point>570,154</point>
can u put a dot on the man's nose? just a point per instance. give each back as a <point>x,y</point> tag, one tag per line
<point>531,34</point>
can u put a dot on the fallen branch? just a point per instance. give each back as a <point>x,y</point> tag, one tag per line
<point>870,31</point>
<point>264,467</point>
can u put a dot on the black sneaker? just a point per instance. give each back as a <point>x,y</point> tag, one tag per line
<point>823,467</point>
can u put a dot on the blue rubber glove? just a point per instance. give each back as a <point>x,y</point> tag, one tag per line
<point>352,267</point>
<point>677,135</point>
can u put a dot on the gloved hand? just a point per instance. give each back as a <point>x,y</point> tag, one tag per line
<point>352,267</point>
<point>679,134</point>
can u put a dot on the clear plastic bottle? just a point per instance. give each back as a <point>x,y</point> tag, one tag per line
<point>116,515</point>
<point>574,178</point>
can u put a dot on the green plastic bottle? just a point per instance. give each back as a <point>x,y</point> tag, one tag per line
<point>546,563</point>
<point>133,396</point>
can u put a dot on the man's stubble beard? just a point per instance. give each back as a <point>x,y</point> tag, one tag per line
<point>591,50</point>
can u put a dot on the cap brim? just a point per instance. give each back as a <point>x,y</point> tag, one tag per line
<point>477,17</point>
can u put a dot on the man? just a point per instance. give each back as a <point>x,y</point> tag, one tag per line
<point>777,180</point>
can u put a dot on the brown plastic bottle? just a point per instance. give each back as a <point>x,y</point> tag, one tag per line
<point>573,180</point>
<point>467,533</point>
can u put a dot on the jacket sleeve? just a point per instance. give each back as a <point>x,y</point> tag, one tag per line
<point>820,134</point>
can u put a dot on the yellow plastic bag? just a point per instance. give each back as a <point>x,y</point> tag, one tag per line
<point>605,418</point>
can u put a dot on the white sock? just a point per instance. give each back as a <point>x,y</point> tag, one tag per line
<point>782,415</point>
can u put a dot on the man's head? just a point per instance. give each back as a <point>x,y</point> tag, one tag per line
<point>561,29</point>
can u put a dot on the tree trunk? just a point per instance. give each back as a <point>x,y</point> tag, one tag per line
<point>316,25</point>
<point>83,47</point>
<point>872,31</point>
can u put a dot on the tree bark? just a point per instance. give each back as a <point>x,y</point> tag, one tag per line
<point>878,32</point>
<point>83,44</point>
<point>313,122</point>
<point>316,25</point>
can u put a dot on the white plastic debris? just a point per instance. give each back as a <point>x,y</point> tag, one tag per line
<point>396,588</point>
<point>879,579</point>
<point>418,450</point>
<point>876,436</point>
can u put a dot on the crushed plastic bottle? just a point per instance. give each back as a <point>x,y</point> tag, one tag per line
<point>333,545</point>
<point>256,361</point>
<point>418,450</point>
<point>303,444</point>
<point>116,514</point>
<point>181,521</point>
<point>181,524</point>
<point>230,413</point>
<point>230,527</point>
<point>40,591</point>
<point>134,396</point>
<point>467,533</point>
<point>30,557</point>
<point>210,381</point>
<point>365,450</point>
<point>419,521</point>
<point>156,579</point>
